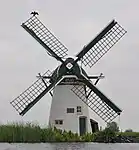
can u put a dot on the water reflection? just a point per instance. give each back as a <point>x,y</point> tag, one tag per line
<point>68,146</point>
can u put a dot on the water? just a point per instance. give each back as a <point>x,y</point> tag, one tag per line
<point>69,146</point>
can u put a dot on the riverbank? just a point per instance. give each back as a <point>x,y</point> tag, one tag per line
<point>32,133</point>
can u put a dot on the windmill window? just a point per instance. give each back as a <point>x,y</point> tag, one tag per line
<point>59,122</point>
<point>79,109</point>
<point>70,110</point>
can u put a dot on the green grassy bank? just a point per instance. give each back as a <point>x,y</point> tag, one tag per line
<point>31,133</point>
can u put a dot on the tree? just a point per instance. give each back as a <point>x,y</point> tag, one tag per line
<point>128,130</point>
<point>113,126</point>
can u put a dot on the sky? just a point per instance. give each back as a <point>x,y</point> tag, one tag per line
<point>74,23</point>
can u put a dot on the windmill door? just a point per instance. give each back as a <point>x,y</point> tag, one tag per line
<point>82,125</point>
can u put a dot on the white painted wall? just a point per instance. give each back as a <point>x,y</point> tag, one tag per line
<point>64,98</point>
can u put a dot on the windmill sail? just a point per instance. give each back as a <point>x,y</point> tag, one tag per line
<point>101,44</point>
<point>97,101</point>
<point>31,95</point>
<point>38,31</point>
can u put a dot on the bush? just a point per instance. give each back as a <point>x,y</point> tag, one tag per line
<point>128,130</point>
<point>113,126</point>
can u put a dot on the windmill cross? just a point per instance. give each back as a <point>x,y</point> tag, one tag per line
<point>89,56</point>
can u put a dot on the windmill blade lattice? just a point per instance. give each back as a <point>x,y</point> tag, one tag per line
<point>34,27</point>
<point>103,109</point>
<point>103,45</point>
<point>28,96</point>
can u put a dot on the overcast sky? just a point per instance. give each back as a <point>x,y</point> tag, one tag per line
<point>75,23</point>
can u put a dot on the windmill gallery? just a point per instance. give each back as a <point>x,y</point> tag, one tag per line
<point>72,90</point>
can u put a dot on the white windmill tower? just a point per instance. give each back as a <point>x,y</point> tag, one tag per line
<point>73,91</point>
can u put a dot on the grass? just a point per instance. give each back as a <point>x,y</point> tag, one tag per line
<point>130,134</point>
<point>19,132</point>
<point>33,133</point>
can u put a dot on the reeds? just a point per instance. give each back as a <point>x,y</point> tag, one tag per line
<point>19,132</point>
<point>32,133</point>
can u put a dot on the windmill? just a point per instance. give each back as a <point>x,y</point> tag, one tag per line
<point>73,91</point>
